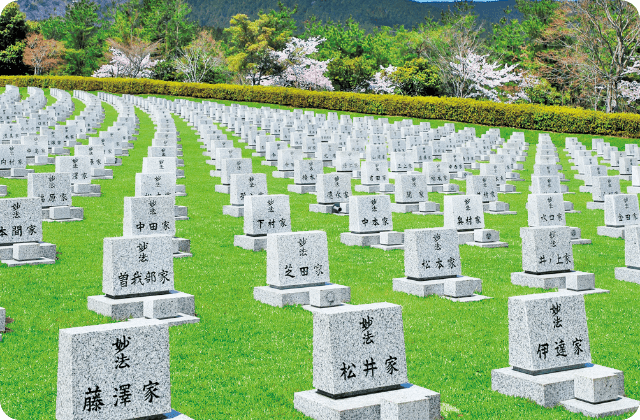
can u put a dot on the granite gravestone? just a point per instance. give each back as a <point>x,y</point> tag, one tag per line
<point>550,358</point>
<point>360,350</point>
<point>620,211</point>
<point>155,184</point>
<point>411,195</point>
<point>54,192</point>
<point>305,175</point>
<point>374,174</point>
<point>631,272</point>
<point>331,189</point>
<point>229,167</point>
<point>115,372</point>
<point>371,223</point>
<point>603,186</point>
<point>432,265</point>
<point>243,185</point>
<point>138,280</point>
<point>263,214</point>
<point>298,272</point>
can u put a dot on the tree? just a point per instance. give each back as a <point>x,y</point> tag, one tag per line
<point>253,42</point>
<point>41,54</point>
<point>131,59</point>
<point>417,78</point>
<point>299,69</point>
<point>608,32</point>
<point>13,31</point>
<point>199,58</point>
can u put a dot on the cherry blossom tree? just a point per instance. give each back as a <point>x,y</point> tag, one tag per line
<point>382,82</point>
<point>472,76</point>
<point>41,54</point>
<point>132,59</point>
<point>199,57</point>
<point>298,68</point>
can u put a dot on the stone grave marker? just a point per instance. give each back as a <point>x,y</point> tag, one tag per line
<point>411,195</point>
<point>54,192</point>
<point>603,186</point>
<point>263,214</point>
<point>244,185</point>
<point>331,189</point>
<point>305,175</point>
<point>620,211</point>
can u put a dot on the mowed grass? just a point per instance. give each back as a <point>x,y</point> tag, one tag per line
<point>245,360</point>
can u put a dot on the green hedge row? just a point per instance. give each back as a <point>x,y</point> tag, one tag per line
<point>533,117</point>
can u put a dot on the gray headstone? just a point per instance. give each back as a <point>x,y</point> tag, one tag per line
<point>20,220</point>
<point>463,212</point>
<point>13,156</point>
<point>411,188</point>
<point>159,164</point>
<point>546,210</point>
<point>545,184</point>
<point>374,173</point>
<point>264,214</point>
<point>370,213</point>
<point>297,259</point>
<point>484,186</point>
<point>233,166</point>
<point>244,185</point>
<point>358,348</point>
<point>431,253</point>
<point>632,246</point>
<point>548,332</point>
<point>149,216</point>
<point>546,249</point>
<point>154,184</point>
<point>137,265</point>
<point>51,188</point>
<point>603,186</point>
<point>307,171</point>
<point>621,210</point>
<point>333,187</point>
<point>436,173</point>
<point>78,166</point>
<point>114,371</point>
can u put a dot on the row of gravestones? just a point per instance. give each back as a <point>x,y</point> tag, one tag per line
<point>291,280</point>
<point>284,288</point>
<point>374,382</point>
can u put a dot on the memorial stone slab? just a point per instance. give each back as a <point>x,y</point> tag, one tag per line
<point>603,186</point>
<point>155,184</point>
<point>333,187</point>
<point>370,214</point>
<point>53,189</point>
<point>621,210</point>
<point>307,171</point>
<point>244,185</point>
<point>431,254</point>
<point>264,214</point>
<point>149,216</point>
<point>297,259</point>
<point>20,220</point>
<point>546,249</point>
<point>483,186</point>
<point>411,188</point>
<point>463,212</point>
<point>546,210</point>
<point>78,166</point>
<point>234,166</point>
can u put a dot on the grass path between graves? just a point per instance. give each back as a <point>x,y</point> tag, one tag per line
<point>245,360</point>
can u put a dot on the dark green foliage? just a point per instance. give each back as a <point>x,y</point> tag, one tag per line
<point>13,30</point>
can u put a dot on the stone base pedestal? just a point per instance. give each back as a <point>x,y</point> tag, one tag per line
<point>233,211</point>
<point>625,177</point>
<point>611,231</point>
<point>434,188</point>
<point>464,237</point>
<point>3,190</point>
<point>459,289</point>
<point>181,190</point>
<point>367,188</point>
<point>497,207</point>
<point>496,244</point>
<point>329,209</point>
<point>585,188</point>
<point>551,389</point>
<point>181,248</point>
<point>360,239</point>
<point>450,189</point>
<point>181,212</point>
<point>174,307</point>
<point>575,281</point>
<point>29,253</point>
<point>282,174</point>
<point>269,163</point>
<point>633,190</point>
<point>408,402</point>
<point>223,189</point>
<point>62,214</point>
<point>301,188</point>
<point>302,295</point>
<point>250,243</point>
<point>595,205</point>
<point>507,189</point>
<point>629,274</point>
<point>86,190</point>
<point>405,208</point>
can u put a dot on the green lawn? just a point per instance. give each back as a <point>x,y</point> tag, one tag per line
<point>245,360</point>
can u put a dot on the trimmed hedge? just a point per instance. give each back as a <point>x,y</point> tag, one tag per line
<point>533,117</point>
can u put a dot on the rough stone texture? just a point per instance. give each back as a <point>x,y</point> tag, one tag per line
<point>374,172</point>
<point>13,156</point>
<point>233,166</point>
<point>618,407</point>
<point>546,249</point>
<point>579,281</point>
<point>160,164</point>
<point>605,185</point>
<point>307,172</point>
<point>301,189</point>
<point>149,216</point>
<point>548,332</point>
<point>53,189</point>
<point>599,384</point>
<point>621,210</point>
<point>250,243</point>
<point>264,214</point>
<point>411,188</point>
<point>333,188</point>
<point>78,166</point>
<point>370,214</point>
<point>133,307</point>
<point>27,251</point>
<point>329,295</point>
<point>346,339</point>
<point>595,205</point>
<point>152,184</point>
<point>3,319</point>
<point>297,259</point>
<point>360,239</point>
<point>632,246</point>
<point>497,170</point>
<point>431,253</point>
<point>629,274</point>
<point>546,210</point>
<point>137,265</point>
<point>391,238</point>
<point>593,171</point>
<point>20,220</point>
<point>423,288</point>
<point>243,185</point>
<point>541,281</point>
<point>483,186</point>
<point>95,357</point>
<point>462,287</point>
<point>320,407</point>
<point>546,185</point>
<point>486,235</point>
<point>429,206</point>
<point>463,212</point>
<point>436,173</point>
<point>228,153</point>
<point>287,159</point>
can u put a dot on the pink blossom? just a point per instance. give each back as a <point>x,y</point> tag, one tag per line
<point>121,66</point>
